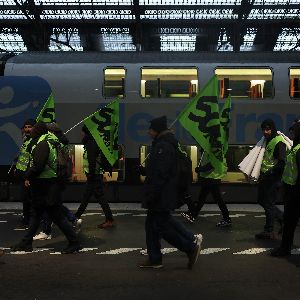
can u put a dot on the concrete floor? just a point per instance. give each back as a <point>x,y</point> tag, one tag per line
<point>232,264</point>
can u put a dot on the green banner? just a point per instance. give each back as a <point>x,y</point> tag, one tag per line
<point>225,121</point>
<point>104,127</point>
<point>47,114</point>
<point>201,119</point>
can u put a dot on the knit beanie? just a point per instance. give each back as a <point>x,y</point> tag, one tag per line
<point>159,124</point>
<point>268,124</point>
<point>31,122</point>
<point>38,130</point>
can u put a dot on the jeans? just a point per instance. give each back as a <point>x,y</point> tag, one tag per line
<point>46,223</point>
<point>268,193</point>
<point>44,200</point>
<point>163,225</point>
<point>94,187</point>
<point>213,187</point>
<point>56,214</point>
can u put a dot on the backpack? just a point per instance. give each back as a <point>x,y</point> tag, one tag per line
<point>184,176</point>
<point>64,162</point>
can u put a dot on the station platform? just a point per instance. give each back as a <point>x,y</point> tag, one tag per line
<point>232,264</point>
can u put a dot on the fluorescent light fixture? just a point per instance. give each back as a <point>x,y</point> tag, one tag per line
<point>66,37</point>
<point>11,41</point>
<point>177,42</point>
<point>288,40</point>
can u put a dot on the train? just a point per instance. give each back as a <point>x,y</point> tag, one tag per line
<point>262,85</point>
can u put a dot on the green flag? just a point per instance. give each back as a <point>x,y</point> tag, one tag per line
<point>47,114</point>
<point>104,127</point>
<point>201,119</point>
<point>225,120</point>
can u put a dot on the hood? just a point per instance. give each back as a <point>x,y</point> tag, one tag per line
<point>167,135</point>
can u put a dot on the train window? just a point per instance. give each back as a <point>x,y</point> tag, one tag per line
<point>235,154</point>
<point>169,82</point>
<point>191,150</point>
<point>245,83</point>
<point>295,83</point>
<point>118,173</point>
<point>114,82</point>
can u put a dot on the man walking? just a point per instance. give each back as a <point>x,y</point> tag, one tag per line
<point>210,180</point>
<point>160,199</point>
<point>92,166</point>
<point>41,176</point>
<point>21,167</point>
<point>270,175</point>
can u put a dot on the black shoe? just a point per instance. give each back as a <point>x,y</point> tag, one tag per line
<point>148,264</point>
<point>265,236</point>
<point>26,247</point>
<point>224,223</point>
<point>280,252</point>
<point>71,248</point>
<point>193,256</point>
<point>188,216</point>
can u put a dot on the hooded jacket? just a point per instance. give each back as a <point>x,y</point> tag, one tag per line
<point>160,182</point>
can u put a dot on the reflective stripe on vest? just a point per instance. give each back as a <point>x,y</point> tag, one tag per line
<point>51,166</point>
<point>85,164</point>
<point>290,172</point>
<point>24,157</point>
<point>268,160</point>
<point>214,174</point>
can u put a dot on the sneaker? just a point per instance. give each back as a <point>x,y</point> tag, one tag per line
<point>198,239</point>
<point>193,256</point>
<point>42,236</point>
<point>265,236</point>
<point>280,252</point>
<point>22,246</point>
<point>188,216</point>
<point>77,224</point>
<point>106,224</point>
<point>224,223</point>
<point>148,264</point>
<point>71,248</point>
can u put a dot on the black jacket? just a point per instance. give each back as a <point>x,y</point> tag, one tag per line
<point>93,153</point>
<point>160,182</point>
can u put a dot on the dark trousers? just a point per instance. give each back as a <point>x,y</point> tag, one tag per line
<point>268,193</point>
<point>25,198</point>
<point>207,187</point>
<point>163,225</point>
<point>56,214</point>
<point>46,224</point>
<point>44,200</point>
<point>94,187</point>
<point>291,217</point>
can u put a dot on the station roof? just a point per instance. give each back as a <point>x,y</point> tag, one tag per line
<point>149,25</point>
